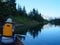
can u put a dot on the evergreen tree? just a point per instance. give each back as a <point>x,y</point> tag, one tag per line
<point>24,11</point>
<point>35,15</point>
<point>13,7</point>
<point>7,8</point>
<point>20,12</point>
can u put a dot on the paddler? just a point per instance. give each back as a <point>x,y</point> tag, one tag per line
<point>8,32</point>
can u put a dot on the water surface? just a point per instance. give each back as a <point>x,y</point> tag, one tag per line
<point>46,35</point>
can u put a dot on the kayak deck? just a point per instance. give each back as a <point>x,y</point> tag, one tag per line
<point>17,42</point>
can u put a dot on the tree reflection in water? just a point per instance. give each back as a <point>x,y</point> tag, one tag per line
<point>33,31</point>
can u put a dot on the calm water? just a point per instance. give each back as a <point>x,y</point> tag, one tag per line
<point>45,35</point>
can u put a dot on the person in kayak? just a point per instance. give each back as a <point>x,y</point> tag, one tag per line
<point>8,32</point>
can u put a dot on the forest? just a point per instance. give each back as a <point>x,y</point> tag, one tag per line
<point>20,16</point>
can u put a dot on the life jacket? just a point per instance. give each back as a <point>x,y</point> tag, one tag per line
<point>7,30</point>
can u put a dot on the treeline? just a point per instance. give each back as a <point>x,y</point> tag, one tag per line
<point>55,21</point>
<point>33,15</point>
<point>8,9</point>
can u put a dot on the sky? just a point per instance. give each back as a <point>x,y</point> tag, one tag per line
<point>48,8</point>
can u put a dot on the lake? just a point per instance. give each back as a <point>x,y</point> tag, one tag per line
<point>46,35</point>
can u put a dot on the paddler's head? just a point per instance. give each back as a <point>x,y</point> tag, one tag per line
<point>9,20</point>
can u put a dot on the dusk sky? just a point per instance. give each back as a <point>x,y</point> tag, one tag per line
<point>49,8</point>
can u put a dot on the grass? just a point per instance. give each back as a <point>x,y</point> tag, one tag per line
<point>24,20</point>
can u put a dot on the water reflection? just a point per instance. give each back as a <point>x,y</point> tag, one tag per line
<point>33,31</point>
<point>42,35</point>
<point>47,26</point>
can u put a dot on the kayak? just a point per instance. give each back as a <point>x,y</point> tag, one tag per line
<point>17,42</point>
